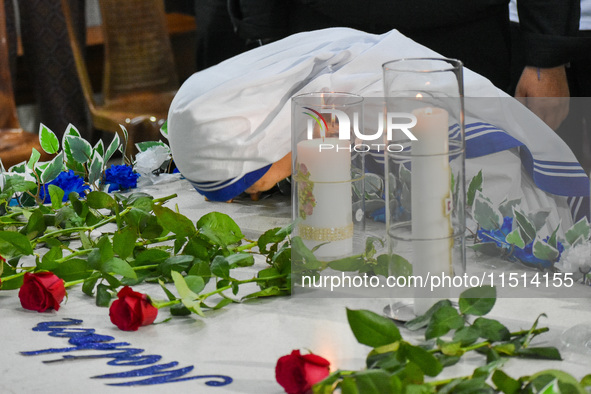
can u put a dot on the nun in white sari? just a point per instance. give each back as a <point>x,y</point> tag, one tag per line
<point>229,125</point>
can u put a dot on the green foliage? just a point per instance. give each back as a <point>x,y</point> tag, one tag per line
<point>139,238</point>
<point>397,366</point>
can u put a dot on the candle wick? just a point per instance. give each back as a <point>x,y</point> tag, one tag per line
<point>428,111</point>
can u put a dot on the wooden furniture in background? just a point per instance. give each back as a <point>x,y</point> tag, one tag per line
<point>140,77</point>
<point>15,143</point>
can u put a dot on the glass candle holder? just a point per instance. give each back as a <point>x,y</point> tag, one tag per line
<point>425,181</point>
<point>326,174</point>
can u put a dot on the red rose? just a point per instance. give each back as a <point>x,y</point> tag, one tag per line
<point>41,291</point>
<point>297,373</point>
<point>132,310</point>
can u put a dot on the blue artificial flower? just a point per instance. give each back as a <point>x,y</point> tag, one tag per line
<point>525,254</point>
<point>68,182</point>
<point>120,178</point>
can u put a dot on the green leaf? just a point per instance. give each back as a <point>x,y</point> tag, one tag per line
<point>188,297</point>
<point>100,200</point>
<point>174,222</point>
<point>80,148</point>
<point>397,265</point>
<point>271,236</point>
<point>35,155</point>
<point>240,260</point>
<point>485,214</point>
<point>552,241</point>
<point>178,263</point>
<point>222,303</point>
<point>466,335</point>
<point>539,218</point>
<point>17,241</point>
<point>477,301</point>
<point>48,140</point>
<point>99,148</point>
<point>422,321</point>
<point>56,194</point>
<point>90,283</point>
<point>95,170</point>
<point>514,238</point>
<point>566,382</point>
<point>195,283</point>
<point>302,257</point>
<point>443,320</point>
<point>219,228</point>
<point>125,133</point>
<point>453,348</point>
<point>151,256</point>
<point>164,129</point>
<point>506,207</point>
<point>179,310</point>
<point>124,242</point>
<point>544,251</point>
<point>492,330</point>
<point>145,145</point>
<point>542,353</point>
<point>353,263</point>
<point>505,383</point>
<point>268,292</point>
<point>118,266</point>
<point>507,349</point>
<point>475,185</point>
<point>112,148</point>
<point>73,269</point>
<point>197,248</point>
<point>580,228</point>
<point>425,360</point>
<point>373,381</point>
<point>528,231</point>
<point>347,386</point>
<point>53,169</point>
<point>168,293</point>
<point>486,248</point>
<point>220,267</point>
<point>103,296</point>
<point>36,225</point>
<point>372,329</point>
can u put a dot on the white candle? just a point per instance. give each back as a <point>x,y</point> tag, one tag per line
<point>325,196</point>
<point>431,202</point>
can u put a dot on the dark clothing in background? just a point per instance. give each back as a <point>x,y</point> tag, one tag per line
<point>216,39</point>
<point>50,63</point>
<point>474,31</point>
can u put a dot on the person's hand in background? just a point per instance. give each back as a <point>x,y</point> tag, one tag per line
<point>545,92</point>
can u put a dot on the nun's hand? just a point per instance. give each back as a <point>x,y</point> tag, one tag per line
<point>545,92</point>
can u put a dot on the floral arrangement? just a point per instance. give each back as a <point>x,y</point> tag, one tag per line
<point>395,365</point>
<point>508,232</point>
<point>58,216</point>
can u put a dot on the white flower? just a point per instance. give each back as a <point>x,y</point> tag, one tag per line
<point>576,259</point>
<point>148,161</point>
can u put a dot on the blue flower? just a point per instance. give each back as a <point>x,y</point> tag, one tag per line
<point>120,178</point>
<point>525,254</point>
<point>68,182</point>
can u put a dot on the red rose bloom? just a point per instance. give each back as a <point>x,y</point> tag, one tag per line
<point>132,310</point>
<point>297,374</point>
<point>41,291</point>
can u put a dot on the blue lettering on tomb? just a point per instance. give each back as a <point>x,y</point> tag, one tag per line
<point>121,355</point>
